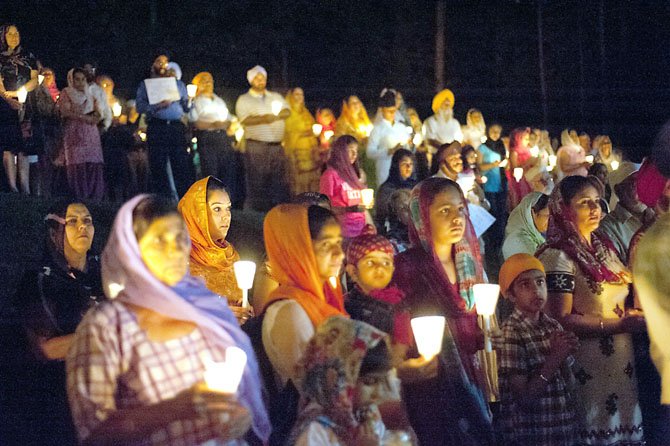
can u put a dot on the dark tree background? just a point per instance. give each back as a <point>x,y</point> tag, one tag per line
<point>606,64</point>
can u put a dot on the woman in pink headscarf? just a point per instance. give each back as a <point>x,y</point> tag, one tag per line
<point>519,157</point>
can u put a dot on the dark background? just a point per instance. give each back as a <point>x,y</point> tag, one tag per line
<point>606,61</point>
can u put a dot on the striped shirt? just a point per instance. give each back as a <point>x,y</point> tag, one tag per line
<point>254,104</point>
<point>112,365</point>
<point>550,420</point>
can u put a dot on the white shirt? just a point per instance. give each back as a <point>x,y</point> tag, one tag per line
<point>444,132</point>
<point>103,106</point>
<point>385,136</point>
<point>254,104</point>
<point>209,110</point>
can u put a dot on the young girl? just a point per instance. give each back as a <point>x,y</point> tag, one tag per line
<point>345,375</point>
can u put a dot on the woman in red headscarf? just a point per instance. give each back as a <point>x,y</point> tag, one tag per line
<point>519,157</point>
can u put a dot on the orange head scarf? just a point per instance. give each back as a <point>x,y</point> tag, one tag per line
<point>205,252</point>
<point>293,264</point>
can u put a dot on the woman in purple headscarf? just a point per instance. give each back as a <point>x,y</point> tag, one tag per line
<point>343,182</point>
<point>137,363</point>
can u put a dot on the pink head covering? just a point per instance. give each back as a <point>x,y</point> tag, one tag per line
<point>650,183</point>
<point>125,277</point>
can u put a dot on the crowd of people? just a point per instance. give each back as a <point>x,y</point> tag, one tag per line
<point>122,342</point>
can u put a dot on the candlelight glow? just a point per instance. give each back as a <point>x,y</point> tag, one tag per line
<point>276,107</point>
<point>191,89</point>
<point>486,298</point>
<point>316,129</point>
<point>239,133</point>
<point>142,135</point>
<point>245,270</point>
<point>116,109</point>
<point>518,173</point>
<point>589,158</point>
<point>418,139</point>
<point>328,134</point>
<point>22,95</point>
<point>428,333</point>
<point>333,281</point>
<point>614,164</point>
<point>40,78</point>
<point>534,151</point>
<point>225,376</point>
<point>368,197</point>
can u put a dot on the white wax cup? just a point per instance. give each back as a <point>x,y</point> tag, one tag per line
<point>417,139</point>
<point>328,134</point>
<point>239,133</point>
<point>116,109</point>
<point>614,165</point>
<point>333,281</point>
<point>244,273</point>
<point>486,298</point>
<point>428,333</point>
<point>589,158</point>
<point>225,376</point>
<point>316,129</point>
<point>552,160</point>
<point>40,78</point>
<point>534,151</point>
<point>518,173</point>
<point>191,89</point>
<point>368,197</point>
<point>276,107</point>
<point>22,95</point>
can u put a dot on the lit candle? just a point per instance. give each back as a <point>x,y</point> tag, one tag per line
<point>486,298</point>
<point>22,95</point>
<point>142,135</point>
<point>191,89</point>
<point>116,109</point>
<point>518,173</point>
<point>225,376</point>
<point>328,134</point>
<point>40,78</point>
<point>589,158</point>
<point>316,129</point>
<point>239,133</point>
<point>614,165</point>
<point>534,151</point>
<point>368,197</point>
<point>417,139</point>
<point>428,333</point>
<point>276,107</point>
<point>244,274</point>
<point>333,281</point>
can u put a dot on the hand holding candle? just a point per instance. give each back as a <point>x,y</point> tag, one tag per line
<point>244,274</point>
<point>22,95</point>
<point>428,333</point>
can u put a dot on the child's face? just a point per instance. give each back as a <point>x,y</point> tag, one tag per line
<point>374,271</point>
<point>471,157</point>
<point>372,388</point>
<point>529,292</point>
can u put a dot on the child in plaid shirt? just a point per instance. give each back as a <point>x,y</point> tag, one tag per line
<point>534,362</point>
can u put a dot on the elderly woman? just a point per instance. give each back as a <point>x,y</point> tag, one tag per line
<point>18,69</point>
<point>52,300</point>
<point>447,404</point>
<point>300,144</point>
<point>137,363</point>
<point>588,286</point>
<point>206,209</point>
<point>526,225</point>
<point>602,150</point>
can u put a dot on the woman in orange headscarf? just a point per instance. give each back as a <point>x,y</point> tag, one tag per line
<point>300,144</point>
<point>354,120</point>
<point>206,210</point>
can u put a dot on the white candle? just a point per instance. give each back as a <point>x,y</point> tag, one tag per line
<point>486,298</point>
<point>191,89</point>
<point>534,151</point>
<point>239,133</point>
<point>418,139</point>
<point>116,109</point>
<point>368,197</point>
<point>328,134</point>
<point>244,275</point>
<point>589,158</point>
<point>225,376</point>
<point>518,173</point>
<point>22,95</point>
<point>333,281</point>
<point>614,165</point>
<point>40,78</point>
<point>316,129</point>
<point>428,333</point>
<point>276,107</point>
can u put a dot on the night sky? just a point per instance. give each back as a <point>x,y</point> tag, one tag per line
<point>333,48</point>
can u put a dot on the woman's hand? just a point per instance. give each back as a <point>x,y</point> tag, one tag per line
<point>199,401</point>
<point>415,370</point>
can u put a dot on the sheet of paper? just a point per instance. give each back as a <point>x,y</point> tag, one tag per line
<point>161,89</point>
<point>481,219</point>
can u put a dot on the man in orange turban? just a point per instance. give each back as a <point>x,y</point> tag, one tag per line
<point>442,127</point>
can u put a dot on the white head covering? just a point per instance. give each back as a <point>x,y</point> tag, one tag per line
<point>251,74</point>
<point>176,68</point>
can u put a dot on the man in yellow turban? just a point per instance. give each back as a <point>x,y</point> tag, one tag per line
<point>442,127</point>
